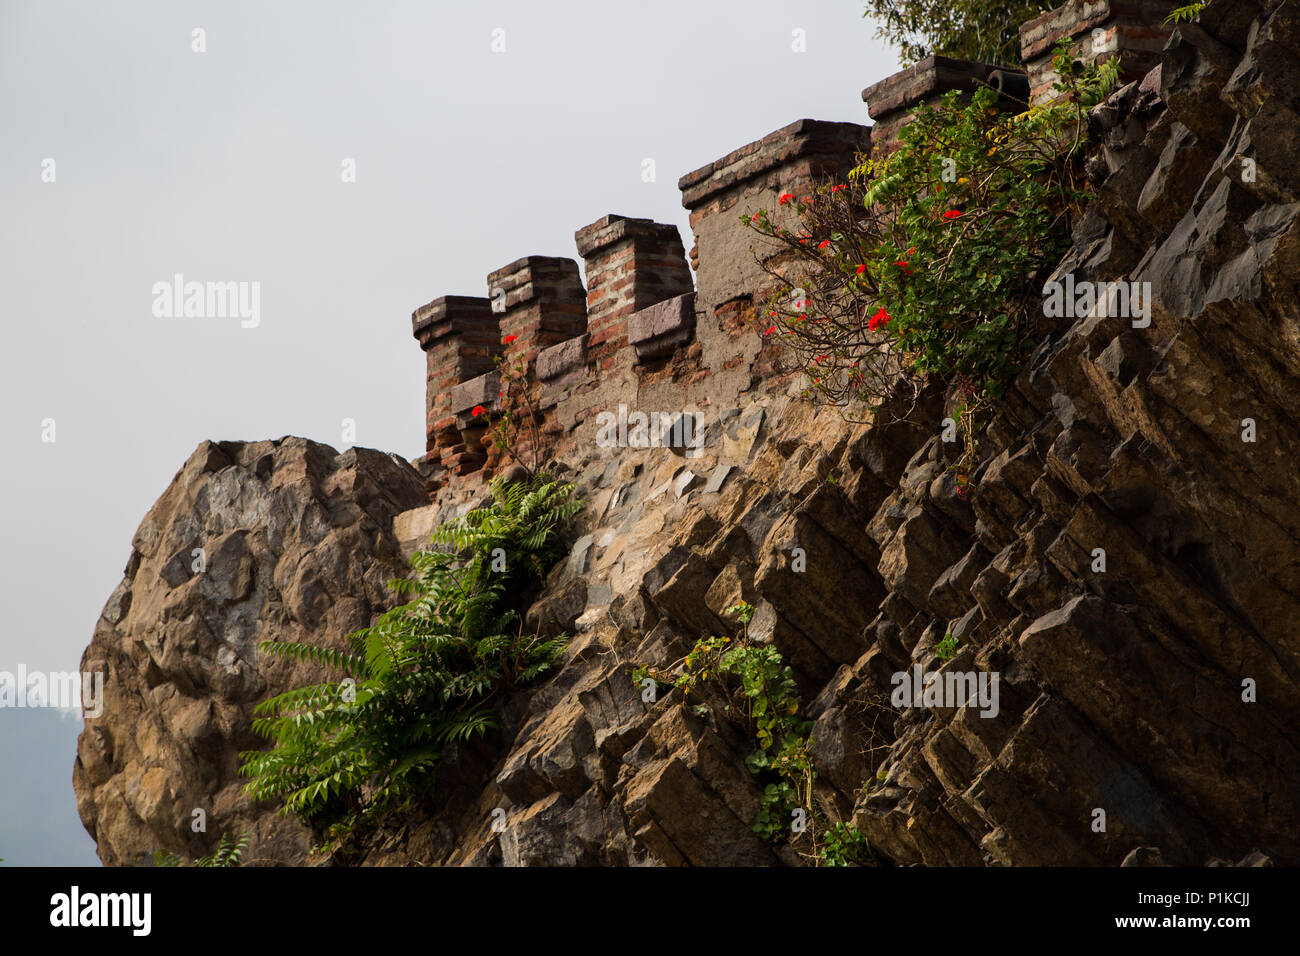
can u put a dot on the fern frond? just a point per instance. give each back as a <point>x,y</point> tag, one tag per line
<point>312,653</point>
<point>428,672</point>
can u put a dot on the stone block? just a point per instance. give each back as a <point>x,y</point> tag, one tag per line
<point>484,390</point>
<point>657,331</point>
<point>558,360</point>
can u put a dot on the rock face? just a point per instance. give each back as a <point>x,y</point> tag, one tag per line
<point>1122,576</point>
<point>1146,697</point>
<point>273,540</point>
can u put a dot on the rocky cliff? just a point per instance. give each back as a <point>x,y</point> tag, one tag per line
<point>1125,564</point>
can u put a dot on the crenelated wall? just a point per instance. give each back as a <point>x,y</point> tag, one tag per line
<point>642,334</point>
<point>1115,436</point>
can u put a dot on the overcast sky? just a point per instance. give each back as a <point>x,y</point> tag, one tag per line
<point>226,165</point>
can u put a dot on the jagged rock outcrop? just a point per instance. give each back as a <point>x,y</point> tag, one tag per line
<point>1160,691</point>
<point>1126,563</point>
<point>296,544</point>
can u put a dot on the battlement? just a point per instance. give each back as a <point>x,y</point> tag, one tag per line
<point>642,333</point>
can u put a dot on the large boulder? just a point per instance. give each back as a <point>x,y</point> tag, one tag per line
<point>275,540</point>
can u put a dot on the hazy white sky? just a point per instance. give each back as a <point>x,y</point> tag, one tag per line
<point>226,166</point>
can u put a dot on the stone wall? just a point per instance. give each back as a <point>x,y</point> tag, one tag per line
<point>642,335</point>
<point>1099,30</point>
<point>1121,684</point>
<point>1123,562</point>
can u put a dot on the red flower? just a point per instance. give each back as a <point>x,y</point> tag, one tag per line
<point>952,214</point>
<point>770,330</point>
<point>861,269</point>
<point>961,492</point>
<point>508,339</point>
<point>478,410</point>
<point>823,244</point>
<point>880,318</point>
<point>785,198</point>
<point>819,359</point>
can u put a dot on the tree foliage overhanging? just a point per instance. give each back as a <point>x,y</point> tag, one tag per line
<point>986,31</point>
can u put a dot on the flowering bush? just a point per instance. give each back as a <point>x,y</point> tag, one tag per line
<point>516,392</point>
<point>928,262</point>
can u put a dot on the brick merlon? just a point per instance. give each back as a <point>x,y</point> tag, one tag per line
<point>802,138</point>
<point>607,230</point>
<point>450,314</point>
<point>534,269</point>
<point>1039,35</point>
<point>926,80</point>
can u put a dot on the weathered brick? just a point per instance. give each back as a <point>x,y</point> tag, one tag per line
<point>631,264</point>
<point>790,159</point>
<point>461,338</point>
<point>890,101</point>
<point>1133,31</point>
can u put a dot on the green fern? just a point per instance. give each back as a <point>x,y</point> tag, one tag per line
<point>1186,14</point>
<point>228,852</point>
<point>426,675</point>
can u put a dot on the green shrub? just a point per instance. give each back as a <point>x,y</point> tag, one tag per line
<point>767,703</point>
<point>928,262</point>
<point>843,845</point>
<point>229,852</point>
<point>427,674</point>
